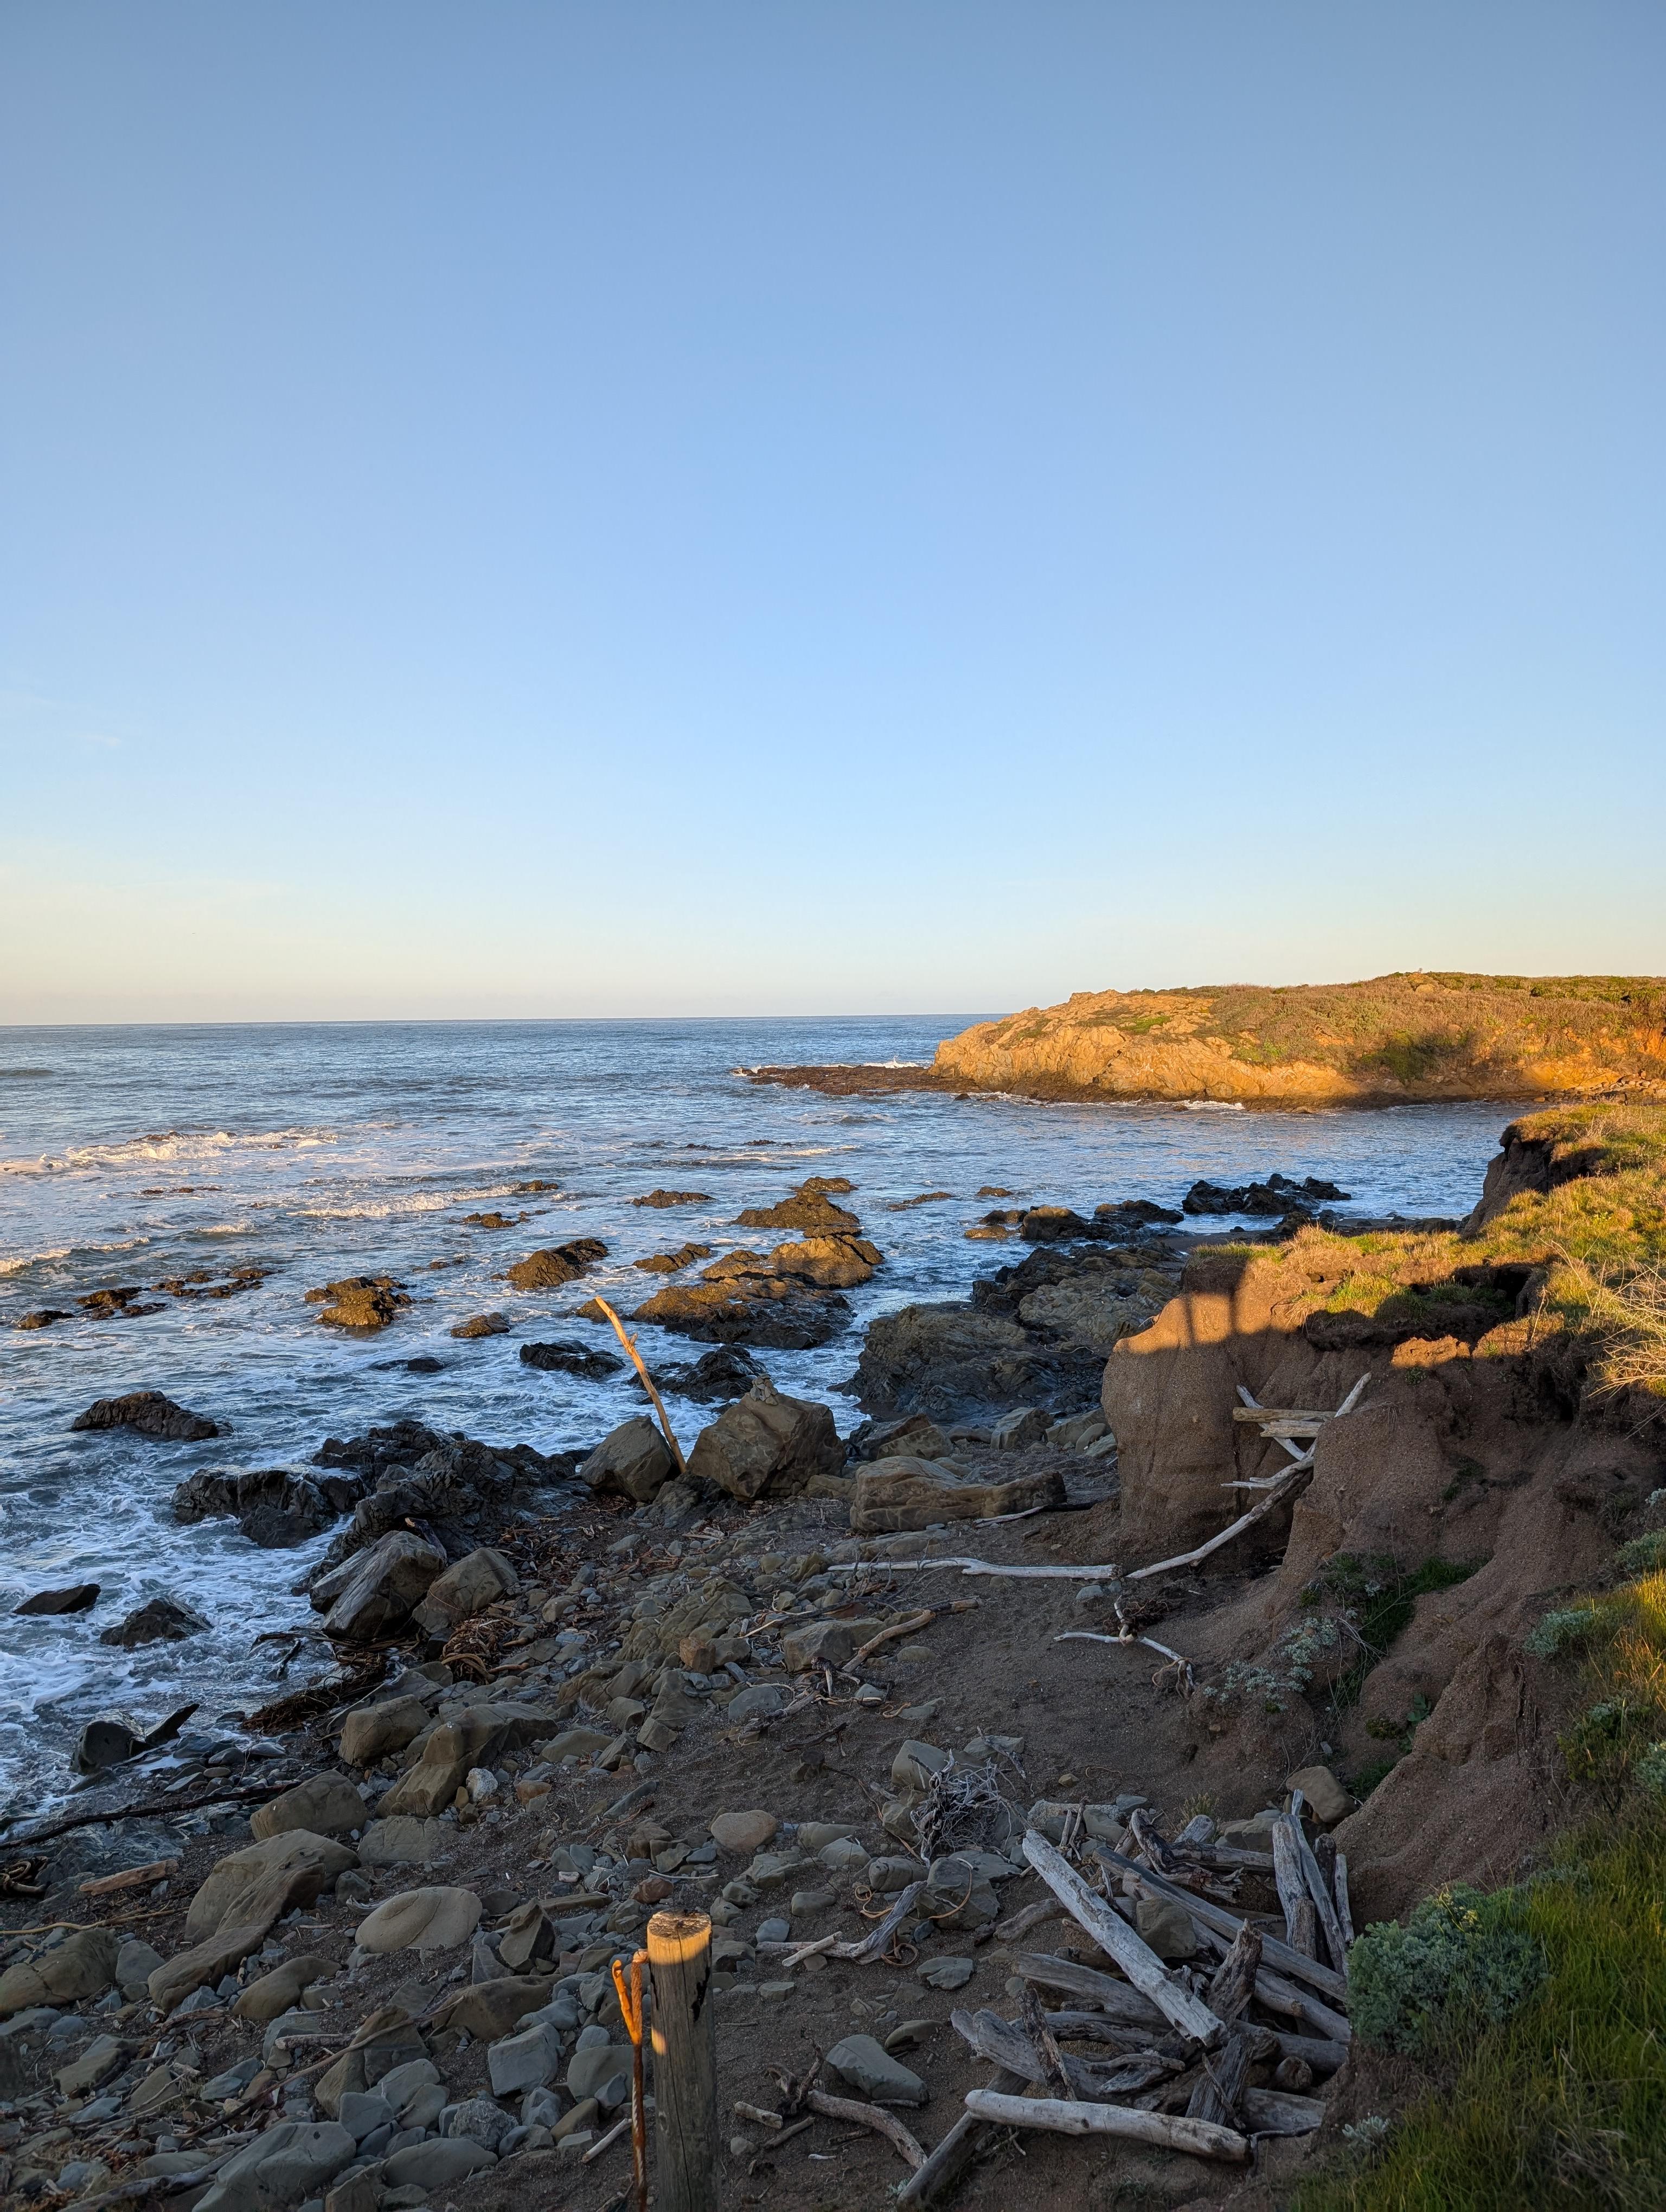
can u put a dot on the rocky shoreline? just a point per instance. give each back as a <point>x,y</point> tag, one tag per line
<point>352,1952</point>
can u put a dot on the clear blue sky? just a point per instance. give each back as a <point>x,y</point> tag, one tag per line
<point>680,506</point>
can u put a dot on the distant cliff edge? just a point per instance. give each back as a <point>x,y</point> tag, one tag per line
<point>1413,1037</point>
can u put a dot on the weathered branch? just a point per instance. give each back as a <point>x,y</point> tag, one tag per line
<point>647,1380</point>
<point>1119,1941</point>
<point>1280,1956</point>
<point>1195,2137</point>
<point>870,2115</point>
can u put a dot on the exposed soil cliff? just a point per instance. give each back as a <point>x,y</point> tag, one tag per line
<point>1404,1037</point>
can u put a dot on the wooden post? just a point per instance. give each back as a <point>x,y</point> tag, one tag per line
<point>679,1957</point>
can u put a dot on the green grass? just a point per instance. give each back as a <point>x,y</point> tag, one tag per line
<point>1562,2103</point>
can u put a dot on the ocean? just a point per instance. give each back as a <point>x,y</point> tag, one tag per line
<point>129,1156</point>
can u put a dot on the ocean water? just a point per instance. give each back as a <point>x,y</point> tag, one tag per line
<point>128,1155</point>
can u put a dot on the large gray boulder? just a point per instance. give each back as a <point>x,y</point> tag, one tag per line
<point>632,1461</point>
<point>467,1587</point>
<point>378,1590</point>
<point>284,2167</point>
<point>150,1413</point>
<point>767,1444</point>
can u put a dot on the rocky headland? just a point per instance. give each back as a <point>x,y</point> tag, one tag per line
<point>1182,1606</point>
<point>1417,1035</point>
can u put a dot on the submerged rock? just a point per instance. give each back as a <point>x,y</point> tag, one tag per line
<point>563,1356</point>
<point>1279,1195</point>
<point>663,1198</point>
<point>79,1597</point>
<point>725,1372</point>
<point>273,1506</point>
<point>150,1413</point>
<point>160,1620</point>
<point>559,1263</point>
<point>485,1324</point>
<point>364,1303</point>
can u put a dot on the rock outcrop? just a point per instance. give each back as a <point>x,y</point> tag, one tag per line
<point>149,1412</point>
<point>362,1303</point>
<point>273,1506</point>
<point>459,1491</point>
<point>767,1444</point>
<point>559,1263</point>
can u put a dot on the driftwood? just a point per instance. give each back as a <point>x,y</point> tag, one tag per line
<point>1234,1982</point>
<point>1273,2113</point>
<point>1129,2015</point>
<point>1122,2005</point>
<point>1292,1884</point>
<point>1094,2027</point>
<point>1226,2074</point>
<point>874,1945</point>
<point>1195,2137</point>
<point>1048,1908</point>
<point>1344,1911</point>
<point>869,2116</point>
<point>923,1618</point>
<point>1053,2074</point>
<point>1279,1955</point>
<point>647,1381</point>
<point>1318,1888</point>
<point>1005,2043</point>
<point>139,1877</point>
<point>1115,1937</point>
<point>956,2150</point>
<point>168,1809</point>
<point>1293,1478</point>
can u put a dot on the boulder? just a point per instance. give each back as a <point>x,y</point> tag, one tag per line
<point>274,1994</point>
<point>767,1444</point>
<point>743,1831</point>
<point>633,1461</point>
<point>524,2061</point>
<point>868,2068</point>
<point>322,1805</point>
<point>421,1920</point>
<point>304,1863</point>
<point>897,1494</point>
<point>1329,1800</point>
<point>83,1966</point>
<point>664,1198</point>
<point>824,1642</point>
<point>403,1840</point>
<point>960,1894</point>
<point>915,1436</point>
<point>833,1263</point>
<point>756,1307</point>
<point>560,1263</point>
<point>160,1620</point>
<point>379,1588</point>
<point>273,1506</point>
<point>150,1413</point>
<point>467,1587</point>
<point>590,1363</point>
<point>363,1304</point>
<point>485,1324</point>
<point>759,1700</point>
<point>283,2167</point>
<point>79,1597</point>
<point>462,1490</point>
<point>723,1372</point>
<point>388,2042</point>
<point>370,1732</point>
<point>1166,1927</point>
<point>591,2069</point>
<point>136,1962</point>
<point>437,2165</point>
<point>1017,1431</point>
<point>808,1209</point>
<point>489,2010</point>
<point>473,1739</point>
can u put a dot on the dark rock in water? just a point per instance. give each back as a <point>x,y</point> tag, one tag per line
<point>424,1364</point>
<point>564,1358</point>
<point>117,1304</point>
<point>763,1310</point>
<point>273,1506</point>
<point>669,1263</point>
<point>726,1372</point>
<point>42,1317</point>
<point>204,1283</point>
<point>456,1492</point>
<point>1052,1224</point>
<point>809,1209</point>
<point>1034,1334</point>
<point>662,1198</point>
<point>160,1620</point>
<point>80,1597</point>
<point>1279,1195</point>
<point>106,1741</point>
<point>150,1413</point>
<point>494,1220</point>
<point>1134,1213</point>
<point>363,1303</point>
<point>486,1324</point>
<point>560,1263</point>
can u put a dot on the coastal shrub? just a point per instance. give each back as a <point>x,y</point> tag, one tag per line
<point>1457,1964</point>
<point>1643,1552</point>
<point>1378,1596</point>
<point>1560,1632</point>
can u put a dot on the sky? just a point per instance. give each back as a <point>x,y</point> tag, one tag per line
<point>824,506</point>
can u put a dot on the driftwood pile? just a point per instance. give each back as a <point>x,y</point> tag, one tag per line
<point>1200,2063</point>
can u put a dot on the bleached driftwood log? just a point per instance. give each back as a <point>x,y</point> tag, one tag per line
<point>1003,2043</point>
<point>1119,1941</point>
<point>1195,2137</point>
<point>1279,1955</point>
<point>956,2152</point>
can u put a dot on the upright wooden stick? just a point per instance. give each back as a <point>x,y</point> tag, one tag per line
<point>679,1957</point>
<point>629,1344</point>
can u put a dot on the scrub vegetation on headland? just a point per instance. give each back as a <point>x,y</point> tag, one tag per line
<point>1417,1035</point>
<point>1388,1504</point>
